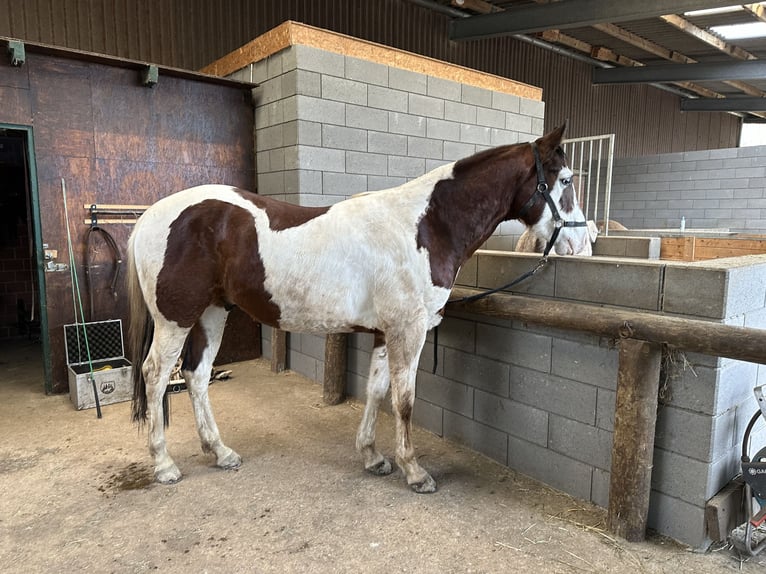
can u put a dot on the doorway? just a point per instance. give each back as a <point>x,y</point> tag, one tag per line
<point>23,319</point>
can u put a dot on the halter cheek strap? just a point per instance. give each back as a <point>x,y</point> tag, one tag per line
<point>542,190</point>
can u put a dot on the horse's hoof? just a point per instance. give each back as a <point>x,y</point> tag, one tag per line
<point>381,468</point>
<point>426,486</point>
<point>230,461</point>
<point>169,475</point>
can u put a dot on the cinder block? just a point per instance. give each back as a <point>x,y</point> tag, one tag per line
<point>476,96</point>
<point>270,137</point>
<point>502,137</point>
<point>428,416</point>
<point>302,364</point>
<point>442,129</point>
<point>457,150</point>
<point>366,163</point>
<point>407,81</point>
<point>303,182</point>
<point>455,333</point>
<point>358,361</point>
<point>519,420</point>
<point>406,124</point>
<point>262,162</point>
<point>514,347</point>
<point>427,106</point>
<point>342,90</point>
<point>424,147</point>
<point>387,99</point>
<point>366,118</point>
<point>538,127</point>
<point>272,183</point>
<point>340,137</point>
<point>554,394</point>
<point>445,89</point>
<point>310,345</point>
<point>480,372</point>
<point>506,102</point>
<point>269,114</point>
<point>381,142</point>
<point>590,364</point>
<point>316,60</point>
<point>550,467</point>
<point>579,441</point>
<point>406,166</point>
<point>461,113</point>
<point>269,91</point>
<point>695,291</point>
<point>444,393</point>
<point>491,118</point>
<point>321,110</point>
<point>636,285</point>
<point>345,184</point>
<point>276,159</point>
<point>366,71</point>
<point>605,407</point>
<point>599,490</point>
<point>678,519</point>
<point>695,435</point>
<point>474,134</point>
<point>534,108</point>
<point>495,270</point>
<point>518,123</point>
<point>302,82</point>
<point>432,164</point>
<point>476,436</point>
<point>321,159</point>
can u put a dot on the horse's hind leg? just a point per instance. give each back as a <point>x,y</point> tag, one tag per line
<point>166,346</point>
<point>201,348</point>
<point>377,387</point>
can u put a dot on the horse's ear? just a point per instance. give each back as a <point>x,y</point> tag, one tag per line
<point>550,141</point>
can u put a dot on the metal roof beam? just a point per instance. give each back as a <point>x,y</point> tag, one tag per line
<point>710,72</point>
<point>571,14</point>
<point>724,105</point>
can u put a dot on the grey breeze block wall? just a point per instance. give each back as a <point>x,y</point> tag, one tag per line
<point>724,188</point>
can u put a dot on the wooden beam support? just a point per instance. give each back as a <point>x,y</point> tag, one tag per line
<point>635,418</point>
<point>335,366</point>
<point>278,350</point>
<point>707,337</point>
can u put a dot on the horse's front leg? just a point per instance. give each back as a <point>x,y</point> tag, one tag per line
<point>403,352</point>
<point>377,387</point>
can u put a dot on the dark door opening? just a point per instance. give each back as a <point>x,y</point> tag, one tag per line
<point>21,343</point>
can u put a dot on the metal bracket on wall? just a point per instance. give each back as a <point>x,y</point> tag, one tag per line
<point>17,53</point>
<point>150,75</point>
<point>118,213</point>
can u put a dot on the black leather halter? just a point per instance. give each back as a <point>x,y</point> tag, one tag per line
<point>542,190</point>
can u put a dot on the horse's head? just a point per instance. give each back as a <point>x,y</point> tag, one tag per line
<point>549,175</point>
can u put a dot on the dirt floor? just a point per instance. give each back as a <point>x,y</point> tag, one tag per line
<point>76,494</point>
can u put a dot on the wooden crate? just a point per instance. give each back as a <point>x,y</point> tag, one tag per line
<point>691,248</point>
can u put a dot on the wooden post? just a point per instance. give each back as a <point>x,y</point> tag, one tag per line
<point>335,354</point>
<point>635,417</point>
<point>278,350</point>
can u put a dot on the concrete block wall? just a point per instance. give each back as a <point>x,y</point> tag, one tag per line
<point>724,188</point>
<point>329,126</point>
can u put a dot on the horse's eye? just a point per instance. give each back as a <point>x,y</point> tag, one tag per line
<point>567,181</point>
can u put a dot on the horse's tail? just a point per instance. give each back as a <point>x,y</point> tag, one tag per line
<point>140,334</point>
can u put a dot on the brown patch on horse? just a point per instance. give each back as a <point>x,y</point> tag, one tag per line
<point>282,215</point>
<point>465,210</point>
<point>196,343</point>
<point>567,201</point>
<point>211,258</point>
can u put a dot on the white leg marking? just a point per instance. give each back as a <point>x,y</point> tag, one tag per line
<point>166,347</point>
<point>377,387</point>
<point>213,321</point>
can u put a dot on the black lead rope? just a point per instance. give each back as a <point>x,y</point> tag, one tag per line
<point>540,190</point>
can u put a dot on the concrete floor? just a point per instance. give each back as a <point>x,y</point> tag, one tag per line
<point>76,494</point>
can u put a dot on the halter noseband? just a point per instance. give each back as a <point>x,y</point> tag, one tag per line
<point>542,190</point>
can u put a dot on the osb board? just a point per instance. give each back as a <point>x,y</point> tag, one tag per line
<point>692,248</point>
<point>291,33</point>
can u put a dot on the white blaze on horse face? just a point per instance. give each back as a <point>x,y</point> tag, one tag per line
<point>571,240</point>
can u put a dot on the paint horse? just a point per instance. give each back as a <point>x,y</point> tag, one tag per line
<point>571,240</point>
<point>382,262</point>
